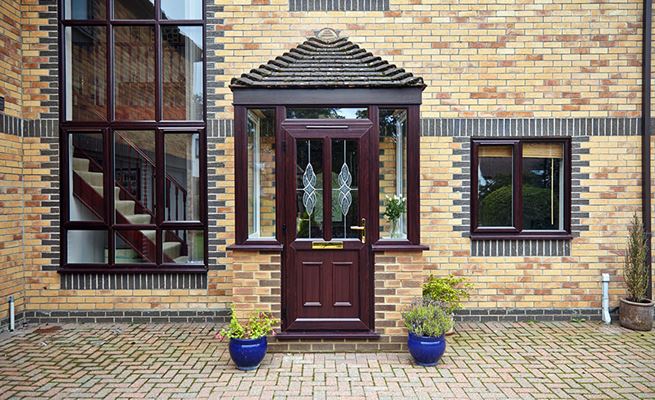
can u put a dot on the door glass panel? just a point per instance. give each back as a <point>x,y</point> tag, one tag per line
<point>495,186</point>
<point>345,185</point>
<point>309,188</point>
<point>327,113</point>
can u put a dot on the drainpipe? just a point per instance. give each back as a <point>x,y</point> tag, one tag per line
<point>606,299</point>
<point>645,136</point>
<point>12,318</point>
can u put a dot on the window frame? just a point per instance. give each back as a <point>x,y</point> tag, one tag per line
<point>517,231</point>
<point>243,242</point>
<point>108,126</point>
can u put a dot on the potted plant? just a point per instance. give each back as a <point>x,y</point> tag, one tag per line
<point>450,291</point>
<point>394,208</point>
<point>248,341</point>
<point>636,311</point>
<point>427,323</point>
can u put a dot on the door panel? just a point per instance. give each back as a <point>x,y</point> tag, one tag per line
<point>327,265</point>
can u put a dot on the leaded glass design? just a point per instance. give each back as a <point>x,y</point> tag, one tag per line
<point>345,198</point>
<point>345,191</point>
<point>309,195</point>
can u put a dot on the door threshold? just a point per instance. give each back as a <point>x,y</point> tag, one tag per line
<point>352,335</point>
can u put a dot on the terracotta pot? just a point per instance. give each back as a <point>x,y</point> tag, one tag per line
<point>637,316</point>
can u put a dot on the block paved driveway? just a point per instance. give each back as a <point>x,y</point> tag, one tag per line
<point>493,360</point>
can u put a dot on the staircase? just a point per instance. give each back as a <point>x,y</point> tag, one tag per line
<point>141,244</point>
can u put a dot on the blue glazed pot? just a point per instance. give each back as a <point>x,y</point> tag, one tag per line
<point>248,353</point>
<point>426,350</point>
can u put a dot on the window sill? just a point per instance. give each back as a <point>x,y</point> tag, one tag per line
<point>522,236</point>
<point>254,246</point>
<point>400,246</point>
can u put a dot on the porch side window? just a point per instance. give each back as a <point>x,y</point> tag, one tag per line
<point>519,187</point>
<point>133,130</point>
<point>393,172</point>
<point>260,131</point>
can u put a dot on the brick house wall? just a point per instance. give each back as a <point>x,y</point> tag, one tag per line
<point>492,69</point>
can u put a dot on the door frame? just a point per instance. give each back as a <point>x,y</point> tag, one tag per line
<point>366,132</point>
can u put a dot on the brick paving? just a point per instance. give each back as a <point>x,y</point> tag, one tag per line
<point>491,361</point>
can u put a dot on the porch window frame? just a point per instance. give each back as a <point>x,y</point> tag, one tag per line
<point>159,125</point>
<point>516,231</point>
<point>280,100</point>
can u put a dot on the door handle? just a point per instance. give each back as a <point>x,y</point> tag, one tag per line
<point>361,228</point>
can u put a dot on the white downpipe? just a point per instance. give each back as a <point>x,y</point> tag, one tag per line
<point>606,299</point>
<point>12,318</point>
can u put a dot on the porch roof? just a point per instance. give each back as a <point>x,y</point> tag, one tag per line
<point>327,62</point>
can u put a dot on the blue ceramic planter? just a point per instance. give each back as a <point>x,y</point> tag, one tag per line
<point>248,353</point>
<point>426,350</point>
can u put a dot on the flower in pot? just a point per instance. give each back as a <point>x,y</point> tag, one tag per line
<point>450,291</point>
<point>636,311</point>
<point>427,322</point>
<point>248,342</point>
<point>394,208</point>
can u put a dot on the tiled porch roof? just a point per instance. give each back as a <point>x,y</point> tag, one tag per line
<point>327,63</point>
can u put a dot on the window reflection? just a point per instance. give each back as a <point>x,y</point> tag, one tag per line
<point>327,113</point>
<point>134,9</point>
<point>181,9</point>
<point>495,186</point>
<point>542,186</point>
<point>182,64</point>
<point>261,173</point>
<point>393,168</point>
<point>134,73</point>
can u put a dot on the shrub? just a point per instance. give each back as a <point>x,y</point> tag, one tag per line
<point>258,325</point>
<point>635,271</point>
<point>426,317</point>
<point>450,291</point>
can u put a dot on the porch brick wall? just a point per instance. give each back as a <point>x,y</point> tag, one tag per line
<point>489,58</point>
<point>10,56</point>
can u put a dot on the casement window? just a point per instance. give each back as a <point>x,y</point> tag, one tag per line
<point>521,188</point>
<point>133,135</point>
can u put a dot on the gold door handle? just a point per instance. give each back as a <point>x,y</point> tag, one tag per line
<point>361,228</point>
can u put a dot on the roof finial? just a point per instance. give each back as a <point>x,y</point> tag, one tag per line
<point>327,34</point>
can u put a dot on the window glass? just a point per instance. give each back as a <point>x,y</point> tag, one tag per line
<point>181,9</point>
<point>85,164</point>
<point>86,73</point>
<point>542,186</point>
<point>86,247</point>
<point>182,190</point>
<point>134,9</point>
<point>261,173</point>
<point>135,246</point>
<point>183,246</point>
<point>393,171</point>
<point>495,171</point>
<point>84,9</point>
<point>135,172</point>
<point>134,73</point>
<point>327,113</point>
<point>182,65</point>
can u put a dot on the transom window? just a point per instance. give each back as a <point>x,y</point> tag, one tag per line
<point>133,129</point>
<point>520,187</point>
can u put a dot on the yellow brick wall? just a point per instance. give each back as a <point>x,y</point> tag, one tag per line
<point>488,58</point>
<point>10,56</point>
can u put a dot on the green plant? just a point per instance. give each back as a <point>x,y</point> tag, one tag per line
<point>258,325</point>
<point>426,317</point>
<point>450,291</point>
<point>635,271</point>
<point>394,207</point>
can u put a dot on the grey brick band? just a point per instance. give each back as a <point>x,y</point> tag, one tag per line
<point>527,314</point>
<point>133,281</point>
<point>338,5</point>
<point>520,248</point>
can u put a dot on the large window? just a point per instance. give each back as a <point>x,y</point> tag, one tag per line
<point>520,188</point>
<point>133,135</point>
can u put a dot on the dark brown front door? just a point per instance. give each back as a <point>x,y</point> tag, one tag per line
<point>328,271</point>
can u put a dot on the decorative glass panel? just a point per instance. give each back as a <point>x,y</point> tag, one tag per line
<point>84,9</point>
<point>327,113</point>
<point>134,72</point>
<point>345,185</point>
<point>309,188</point>
<point>86,73</point>
<point>135,177</point>
<point>393,169</point>
<point>261,174</point>
<point>86,179</point>
<point>182,65</point>
<point>134,9</point>
<point>183,246</point>
<point>182,183</point>
<point>86,247</point>
<point>495,206</point>
<point>135,246</point>
<point>543,186</point>
<point>181,9</point>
